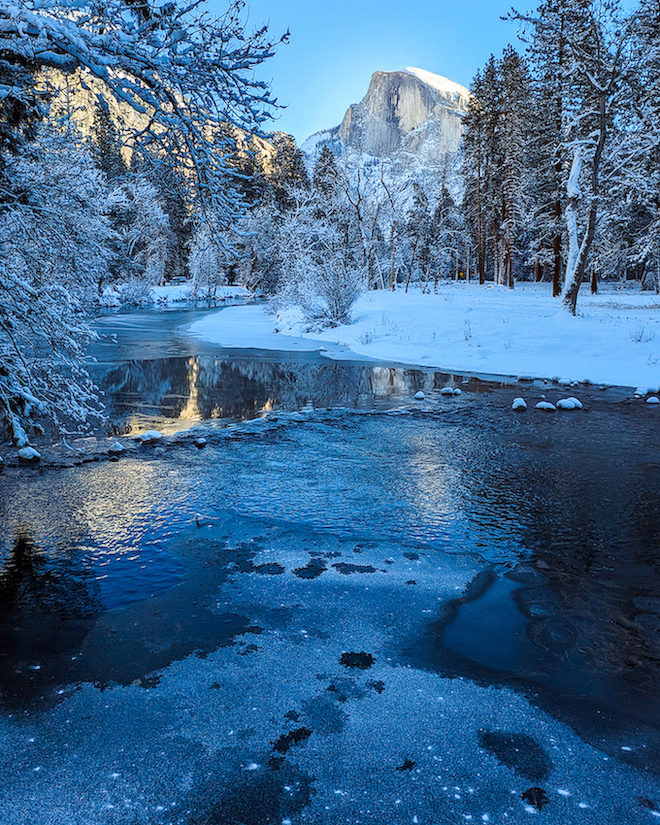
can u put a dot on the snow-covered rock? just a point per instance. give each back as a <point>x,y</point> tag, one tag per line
<point>447,391</point>
<point>419,396</point>
<point>525,377</point>
<point>653,399</point>
<point>149,437</point>
<point>577,404</point>
<point>519,404</point>
<point>28,455</point>
<point>546,405</point>
<point>457,391</point>
<point>116,448</point>
<point>200,443</point>
<point>568,404</point>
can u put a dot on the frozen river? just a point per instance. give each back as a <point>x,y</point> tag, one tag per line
<point>347,607</point>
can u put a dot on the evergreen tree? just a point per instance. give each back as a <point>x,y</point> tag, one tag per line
<point>107,145</point>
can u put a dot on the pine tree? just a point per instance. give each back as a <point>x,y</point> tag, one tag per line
<point>589,38</point>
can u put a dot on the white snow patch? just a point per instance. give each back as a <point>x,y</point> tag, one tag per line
<point>546,405</point>
<point>148,437</point>
<point>413,328</point>
<point>29,455</point>
<point>519,404</point>
<point>440,83</point>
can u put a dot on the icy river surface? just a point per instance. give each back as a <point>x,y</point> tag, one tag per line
<point>318,600</point>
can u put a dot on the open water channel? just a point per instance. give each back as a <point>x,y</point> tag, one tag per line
<point>346,606</point>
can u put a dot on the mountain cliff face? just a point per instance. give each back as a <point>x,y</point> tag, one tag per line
<point>408,112</point>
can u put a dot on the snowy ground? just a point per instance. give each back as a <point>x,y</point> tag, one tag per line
<point>614,340</point>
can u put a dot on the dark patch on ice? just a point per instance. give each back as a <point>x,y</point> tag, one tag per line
<point>312,570</point>
<point>247,733</point>
<point>270,569</point>
<point>411,556</point>
<point>323,715</point>
<point>247,650</point>
<point>536,797</point>
<point>343,689</point>
<point>361,660</point>
<point>347,569</point>
<point>275,763</point>
<point>215,686</point>
<point>647,803</point>
<point>259,797</point>
<point>408,765</point>
<point>378,686</point>
<point>292,716</point>
<point>411,581</point>
<point>288,740</point>
<point>517,751</point>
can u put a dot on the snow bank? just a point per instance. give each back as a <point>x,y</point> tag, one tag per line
<point>174,294</point>
<point>473,329</point>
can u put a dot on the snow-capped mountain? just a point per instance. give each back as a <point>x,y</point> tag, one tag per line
<point>411,110</point>
<point>410,122</point>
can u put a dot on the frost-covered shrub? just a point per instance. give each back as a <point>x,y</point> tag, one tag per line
<point>145,237</point>
<point>319,273</point>
<point>207,261</point>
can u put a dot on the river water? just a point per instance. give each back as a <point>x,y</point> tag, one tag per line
<point>285,606</point>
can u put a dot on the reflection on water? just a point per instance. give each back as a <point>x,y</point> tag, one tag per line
<point>563,509</point>
<point>204,387</point>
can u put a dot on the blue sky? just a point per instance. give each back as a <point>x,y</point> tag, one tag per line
<point>336,46</point>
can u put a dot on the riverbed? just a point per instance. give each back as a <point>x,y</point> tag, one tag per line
<point>343,604</point>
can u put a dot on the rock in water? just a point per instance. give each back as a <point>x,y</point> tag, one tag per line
<point>150,437</point>
<point>419,396</point>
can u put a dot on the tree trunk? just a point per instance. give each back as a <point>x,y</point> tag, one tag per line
<point>578,255</point>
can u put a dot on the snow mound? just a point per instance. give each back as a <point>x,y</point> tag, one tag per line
<point>519,404</point>
<point>546,405</point>
<point>28,455</point>
<point>419,396</point>
<point>149,437</point>
<point>653,399</point>
<point>568,404</point>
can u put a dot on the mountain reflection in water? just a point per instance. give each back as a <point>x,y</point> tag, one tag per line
<point>203,387</point>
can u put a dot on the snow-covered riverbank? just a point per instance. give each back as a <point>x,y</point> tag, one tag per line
<point>485,330</point>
